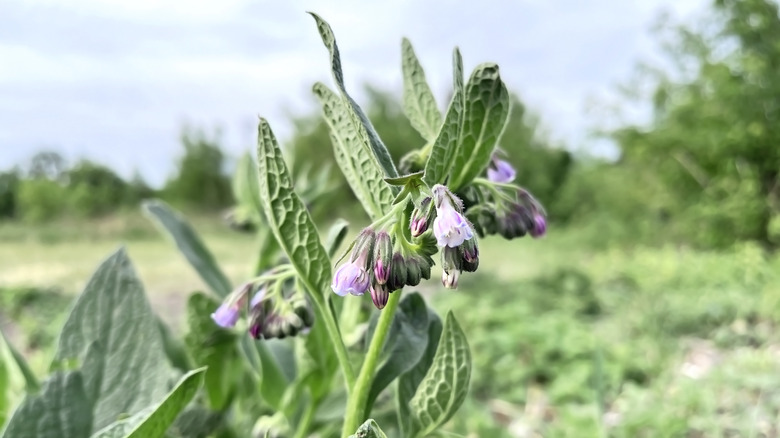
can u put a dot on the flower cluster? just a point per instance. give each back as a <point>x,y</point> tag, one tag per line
<point>497,207</point>
<point>275,310</point>
<point>381,263</point>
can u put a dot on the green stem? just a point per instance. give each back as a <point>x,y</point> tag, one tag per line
<point>308,416</point>
<point>335,339</point>
<point>357,399</point>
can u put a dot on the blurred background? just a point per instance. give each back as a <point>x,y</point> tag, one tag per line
<point>650,130</point>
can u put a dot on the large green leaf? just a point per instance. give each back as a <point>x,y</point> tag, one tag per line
<point>408,382</point>
<point>290,222</point>
<point>404,346</point>
<point>363,127</point>
<point>487,112</point>
<point>419,104</point>
<point>440,160</point>
<point>154,422</point>
<point>212,347</point>
<point>266,363</point>
<point>11,381</point>
<point>444,387</point>
<point>190,245</point>
<point>113,332</point>
<point>357,163</point>
<point>61,410</point>
<point>369,429</point>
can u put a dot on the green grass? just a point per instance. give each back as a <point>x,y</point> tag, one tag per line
<point>566,340</point>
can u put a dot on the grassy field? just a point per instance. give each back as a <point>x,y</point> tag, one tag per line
<point>567,341</point>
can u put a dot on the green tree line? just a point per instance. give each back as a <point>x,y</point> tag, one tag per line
<point>704,170</point>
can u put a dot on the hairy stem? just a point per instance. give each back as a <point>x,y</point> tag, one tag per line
<point>357,398</point>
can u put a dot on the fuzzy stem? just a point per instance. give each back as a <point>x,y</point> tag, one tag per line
<point>357,399</point>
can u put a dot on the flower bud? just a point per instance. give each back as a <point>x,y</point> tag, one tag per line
<point>379,295</point>
<point>450,279</point>
<point>421,217</point>
<point>451,259</point>
<point>383,253</point>
<point>500,171</point>
<point>470,251</point>
<point>413,271</point>
<point>305,313</point>
<point>364,244</point>
<point>540,226</point>
<point>397,278</point>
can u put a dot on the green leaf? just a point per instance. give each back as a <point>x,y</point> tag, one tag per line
<point>365,131</point>
<point>369,429</point>
<point>174,348</point>
<point>29,377</point>
<point>245,187</point>
<point>316,365</point>
<point>405,179</point>
<point>290,222</point>
<point>404,346</point>
<point>212,347</point>
<point>419,104</point>
<point>356,161</point>
<point>11,381</point>
<point>266,364</point>
<point>61,410</point>
<point>444,387</point>
<point>336,235</point>
<point>189,245</point>
<point>113,331</point>
<point>487,112</point>
<point>154,422</point>
<point>408,382</point>
<point>439,164</point>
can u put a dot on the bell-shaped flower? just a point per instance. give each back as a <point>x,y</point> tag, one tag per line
<point>351,278</point>
<point>228,313</point>
<point>540,226</point>
<point>450,227</point>
<point>500,171</point>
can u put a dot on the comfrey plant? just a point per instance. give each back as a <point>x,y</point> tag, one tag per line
<point>296,349</point>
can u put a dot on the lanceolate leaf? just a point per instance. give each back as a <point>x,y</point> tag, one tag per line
<point>287,215</point>
<point>405,343</point>
<point>445,385</point>
<point>61,410</point>
<point>408,382</point>
<point>245,188</point>
<point>362,125</point>
<point>356,161</point>
<point>336,235</point>
<point>113,332</point>
<point>190,245</point>
<point>154,422</point>
<point>419,104</point>
<point>487,111</point>
<point>440,161</point>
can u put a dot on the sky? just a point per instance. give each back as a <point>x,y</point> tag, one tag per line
<point>115,81</point>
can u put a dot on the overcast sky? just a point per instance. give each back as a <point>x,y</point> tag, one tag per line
<point>114,80</point>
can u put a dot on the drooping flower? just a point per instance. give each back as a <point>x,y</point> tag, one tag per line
<point>353,277</point>
<point>257,313</point>
<point>450,227</point>
<point>451,265</point>
<point>450,279</point>
<point>229,311</point>
<point>500,171</point>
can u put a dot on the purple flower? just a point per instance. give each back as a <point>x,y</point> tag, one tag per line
<point>500,171</point>
<point>351,278</point>
<point>450,227</point>
<point>540,226</point>
<point>226,315</point>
